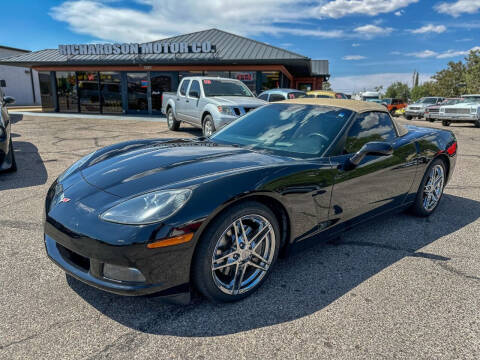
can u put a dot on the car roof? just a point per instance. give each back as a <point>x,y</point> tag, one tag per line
<point>354,105</point>
<point>281,90</point>
<point>470,95</point>
<point>321,92</point>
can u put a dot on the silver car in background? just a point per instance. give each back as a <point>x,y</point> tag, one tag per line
<point>417,109</point>
<point>209,103</point>
<point>467,111</point>
<point>280,94</point>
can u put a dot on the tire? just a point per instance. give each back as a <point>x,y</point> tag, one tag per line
<point>409,117</point>
<point>208,126</point>
<point>422,207</point>
<point>431,120</point>
<point>477,124</point>
<point>219,285</point>
<point>13,168</point>
<point>445,123</point>
<point>172,123</point>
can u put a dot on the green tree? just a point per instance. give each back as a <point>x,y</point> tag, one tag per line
<point>472,74</point>
<point>415,79</point>
<point>426,89</point>
<point>449,81</point>
<point>326,86</point>
<point>398,90</point>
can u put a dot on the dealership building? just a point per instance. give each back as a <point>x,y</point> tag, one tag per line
<point>131,77</point>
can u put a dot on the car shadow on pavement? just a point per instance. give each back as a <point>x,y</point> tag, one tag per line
<point>301,284</point>
<point>15,118</point>
<point>31,168</point>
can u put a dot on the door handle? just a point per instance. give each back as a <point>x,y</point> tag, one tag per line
<point>187,100</point>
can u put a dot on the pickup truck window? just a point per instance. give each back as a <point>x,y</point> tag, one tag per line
<point>214,87</point>
<point>184,87</point>
<point>195,87</point>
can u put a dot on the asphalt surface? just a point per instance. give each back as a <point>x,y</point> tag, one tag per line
<point>398,287</point>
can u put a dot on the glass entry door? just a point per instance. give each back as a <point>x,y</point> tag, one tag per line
<point>137,85</point>
<point>160,82</point>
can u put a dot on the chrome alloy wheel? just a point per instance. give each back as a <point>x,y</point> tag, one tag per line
<point>208,128</point>
<point>243,254</point>
<point>170,118</point>
<point>433,188</point>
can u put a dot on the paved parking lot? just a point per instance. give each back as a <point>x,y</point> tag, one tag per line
<point>401,287</point>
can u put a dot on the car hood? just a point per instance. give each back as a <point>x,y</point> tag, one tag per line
<point>170,164</point>
<point>238,101</point>
<point>462,105</point>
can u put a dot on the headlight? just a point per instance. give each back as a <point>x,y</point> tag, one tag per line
<point>148,208</point>
<point>442,110</point>
<point>473,110</point>
<point>226,110</point>
<point>75,166</point>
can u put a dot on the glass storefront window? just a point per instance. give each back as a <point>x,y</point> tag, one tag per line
<point>249,78</point>
<point>67,91</point>
<point>223,74</point>
<point>137,85</point>
<point>183,74</point>
<point>46,92</point>
<point>270,80</point>
<point>88,92</point>
<point>111,92</point>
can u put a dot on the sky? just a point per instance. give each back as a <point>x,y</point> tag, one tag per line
<point>367,42</point>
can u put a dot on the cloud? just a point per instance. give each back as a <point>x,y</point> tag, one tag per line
<point>399,13</point>
<point>429,28</point>
<point>442,55</point>
<point>353,57</point>
<point>355,45</point>
<point>356,83</point>
<point>370,31</point>
<point>157,19</point>
<point>340,8</point>
<point>458,7</point>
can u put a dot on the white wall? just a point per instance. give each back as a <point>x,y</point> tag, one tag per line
<point>19,83</point>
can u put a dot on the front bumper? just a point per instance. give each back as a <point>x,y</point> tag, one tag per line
<point>459,117</point>
<point>415,113</point>
<point>81,244</point>
<point>221,120</point>
<point>5,156</point>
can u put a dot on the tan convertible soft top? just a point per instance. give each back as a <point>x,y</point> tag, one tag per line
<point>354,105</point>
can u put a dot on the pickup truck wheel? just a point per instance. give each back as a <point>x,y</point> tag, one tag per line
<point>408,117</point>
<point>445,123</point>
<point>477,124</point>
<point>208,126</point>
<point>172,123</point>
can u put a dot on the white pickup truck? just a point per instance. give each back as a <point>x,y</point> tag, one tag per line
<point>208,103</point>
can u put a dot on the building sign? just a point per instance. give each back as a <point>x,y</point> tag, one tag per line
<point>135,48</point>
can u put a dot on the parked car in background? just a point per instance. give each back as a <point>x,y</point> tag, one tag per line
<point>394,104</point>
<point>326,94</point>
<point>399,112</point>
<point>208,103</point>
<point>417,109</point>
<point>7,156</point>
<point>280,94</point>
<point>367,96</point>
<point>467,111</point>
<point>431,112</point>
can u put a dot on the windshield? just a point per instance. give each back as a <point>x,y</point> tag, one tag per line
<point>387,101</point>
<point>370,98</point>
<point>219,87</point>
<point>427,101</point>
<point>452,101</point>
<point>286,129</point>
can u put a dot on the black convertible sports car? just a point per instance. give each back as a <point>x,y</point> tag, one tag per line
<point>170,215</point>
<point>7,156</point>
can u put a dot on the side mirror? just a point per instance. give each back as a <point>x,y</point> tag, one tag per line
<point>375,148</point>
<point>194,94</point>
<point>3,83</point>
<point>8,100</point>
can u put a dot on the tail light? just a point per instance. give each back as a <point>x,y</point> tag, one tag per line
<point>452,149</point>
